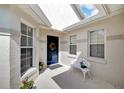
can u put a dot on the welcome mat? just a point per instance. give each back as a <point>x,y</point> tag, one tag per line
<point>54,66</point>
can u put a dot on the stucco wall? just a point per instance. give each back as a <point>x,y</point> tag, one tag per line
<point>112,70</point>
<point>18,16</point>
<point>10,20</point>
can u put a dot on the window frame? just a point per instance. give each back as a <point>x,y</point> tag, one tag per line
<point>96,59</point>
<point>72,44</point>
<point>80,13</point>
<point>27,44</point>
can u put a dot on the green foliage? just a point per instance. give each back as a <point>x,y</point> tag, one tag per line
<point>41,65</point>
<point>27,85</point>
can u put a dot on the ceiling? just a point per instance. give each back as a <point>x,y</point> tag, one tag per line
<point>64,17</point>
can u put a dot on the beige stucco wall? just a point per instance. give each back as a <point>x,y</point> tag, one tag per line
<point>43,43</point>
<point>112,70</point>
<point>19,16</point>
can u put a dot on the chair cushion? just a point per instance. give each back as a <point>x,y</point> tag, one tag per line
<point>82,65</point>
<point>77,63</point>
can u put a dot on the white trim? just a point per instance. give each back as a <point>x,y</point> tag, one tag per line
<point>35,13</point>
<point>27,23</point>
<point>95,59</point>
<point>91,20</point>
<point>26,47</point>
<point>100,14</point>
<point>33,48</point>
<point>4,34</point>
<point>77,10</point>
<point>42,15</point>
<point>33,42</point>
<point>72,56</point>
<point>59,53</point>
<point>26,35</point>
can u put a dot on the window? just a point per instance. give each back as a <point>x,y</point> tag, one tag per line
<point>26,47</point>
<point>97,44</point>
<point>73,46</point>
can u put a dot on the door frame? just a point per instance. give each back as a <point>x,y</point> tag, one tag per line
<point>47,48</point>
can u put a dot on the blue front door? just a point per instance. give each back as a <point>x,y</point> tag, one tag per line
<point>52,50</point>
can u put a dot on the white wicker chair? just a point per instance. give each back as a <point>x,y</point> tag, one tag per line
<point>76,64</point>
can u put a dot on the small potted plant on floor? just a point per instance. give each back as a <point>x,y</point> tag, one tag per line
<point>41,65</point>
<point>28,84</point>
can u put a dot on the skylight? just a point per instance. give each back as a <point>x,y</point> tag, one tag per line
<point>60,16</point>
<point>88,9</point>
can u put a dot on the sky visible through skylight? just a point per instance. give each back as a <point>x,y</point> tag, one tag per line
<point>60,16</point>
<point>88,10</point>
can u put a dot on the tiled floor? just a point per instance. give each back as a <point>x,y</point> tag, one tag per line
<point>44,81</point>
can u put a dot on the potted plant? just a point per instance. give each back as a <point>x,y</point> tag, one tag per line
<point>41,66</point>
<point>28,84</point>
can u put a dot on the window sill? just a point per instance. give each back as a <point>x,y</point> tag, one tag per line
<point>97,60</point>
<point>72,56</point>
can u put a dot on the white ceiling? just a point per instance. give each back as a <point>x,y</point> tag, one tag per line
<point>63,17</point>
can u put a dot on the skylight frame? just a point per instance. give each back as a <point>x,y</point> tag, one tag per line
<point>81,13</point>
<point>77,11</point>
<point>86,21</point>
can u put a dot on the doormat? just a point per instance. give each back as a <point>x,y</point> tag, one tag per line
<point>54,66</point>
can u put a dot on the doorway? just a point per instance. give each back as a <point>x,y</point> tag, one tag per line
<point>52,49</point>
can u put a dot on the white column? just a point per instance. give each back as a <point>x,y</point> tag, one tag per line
<point>4,60</point>
<point>36,49</point>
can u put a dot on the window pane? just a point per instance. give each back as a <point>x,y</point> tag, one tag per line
<point>97,50</point>
<point>30,31</point>
<point>93,37</point>
<point>29,62</point>
<point>23,29</point>
<point>97,37</point>
<point>23,53</point>
<point>73,39</point>
<point>93,50</point>
<point>100,37</point>
<point>73,49</point>
<point>28,65</point>
<point>29,52</point>
<point>100,50</point>
<point>29,41</point>
<point>23,41</point>
<point>23,66</point>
